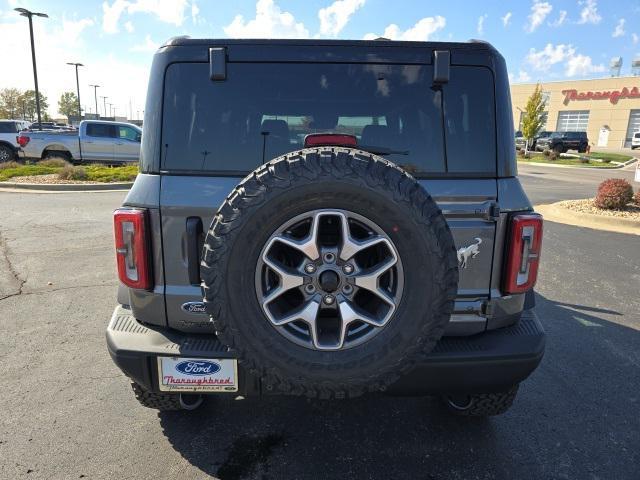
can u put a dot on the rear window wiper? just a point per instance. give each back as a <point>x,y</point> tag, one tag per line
<point>382,150</point>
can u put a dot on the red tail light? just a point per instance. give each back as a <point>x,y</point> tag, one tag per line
<point>523,253</point>
<point>132,248</point>
<point>330,139</point>
<point>23,139</point>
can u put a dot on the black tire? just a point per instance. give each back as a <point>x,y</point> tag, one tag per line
<point>481,404</point>
<point>56,154</point>
<point>165,402</point>
<point>558,149</point>
<point>7,154</point>
<point>329,178</point>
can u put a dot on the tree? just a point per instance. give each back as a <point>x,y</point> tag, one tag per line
<point>68,104</point>
<point>533,120</point>
<point>28,101</point>
<point>10,103</point>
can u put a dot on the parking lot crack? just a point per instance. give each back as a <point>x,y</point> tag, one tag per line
<point>12,270</point>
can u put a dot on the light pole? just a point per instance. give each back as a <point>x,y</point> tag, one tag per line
<point>26,13</point>
<point>77,87</point>
<point>110,109</point>
<point>104,104</point>
<point>95,96</point>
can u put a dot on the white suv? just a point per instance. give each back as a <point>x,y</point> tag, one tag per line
<point>635,141</point>
<point>9,130</point>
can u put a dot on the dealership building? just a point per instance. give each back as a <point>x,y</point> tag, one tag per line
<point>608,109</point>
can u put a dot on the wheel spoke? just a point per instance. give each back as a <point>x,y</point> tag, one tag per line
<point>351,246</point>
<point>348,315</point>
<point>307,314</point>
<point>308,246</point>
<point>288,279</point>
<point>369,279</point>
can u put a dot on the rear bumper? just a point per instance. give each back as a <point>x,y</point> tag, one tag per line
<point>491,361</point>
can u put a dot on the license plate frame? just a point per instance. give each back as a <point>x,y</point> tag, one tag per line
<point>199,375</point>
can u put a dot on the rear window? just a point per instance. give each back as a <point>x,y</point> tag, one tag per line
<point>101,130</point>
<point>8,127</point>
<point>226,126</point>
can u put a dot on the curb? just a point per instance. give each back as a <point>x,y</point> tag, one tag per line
<point>621,165</point>
<point>66,187</point>
<point>555,213</point>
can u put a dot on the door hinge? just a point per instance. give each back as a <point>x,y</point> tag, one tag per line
<point>493,212</point>
<point>487,309</point>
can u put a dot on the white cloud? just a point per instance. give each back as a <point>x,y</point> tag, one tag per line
<point>270,22</point>
<point>59,41</point>
<point>421,31</point>
<point>619,30</point>
<point>589,13</point>
<point>128,26</point>
<point>562,16</point>
<point>334,17</point>
<point>148,46</point>
<point>575,64</point>
<point>523,76</point>
<point>195,10</point>
<point>581,65</point>
<point>480,28</point>
<point>168,11</point>
<point>635,38</point>
<point>539,11</point>
<point>506,19</point>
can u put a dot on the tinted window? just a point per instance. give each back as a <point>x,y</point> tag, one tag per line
<point>8,127</point>
<point>128,133</point>
<point>469,111</point>
<point>101,130</point>
<point>225,126</point>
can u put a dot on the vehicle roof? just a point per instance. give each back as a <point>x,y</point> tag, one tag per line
<point>380,42</point>
<point>111,122</point>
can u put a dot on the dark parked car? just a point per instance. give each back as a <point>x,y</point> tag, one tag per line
<point>327,219</point>
<point>560,142</point>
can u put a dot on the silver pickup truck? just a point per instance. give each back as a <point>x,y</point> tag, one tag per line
<point>95,141</point>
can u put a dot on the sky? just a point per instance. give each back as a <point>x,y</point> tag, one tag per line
<point>115,39</point>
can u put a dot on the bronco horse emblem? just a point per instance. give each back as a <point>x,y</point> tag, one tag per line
<point>465,253</point>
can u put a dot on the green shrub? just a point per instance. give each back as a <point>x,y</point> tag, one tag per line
<point>9,164</point>
<point>54,162</point>
<point>72,173</point>
<point>553,155</point>
<point>613,194</point>
<point>546,152</point>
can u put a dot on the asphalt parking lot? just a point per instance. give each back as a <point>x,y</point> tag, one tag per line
<point>67,412</point>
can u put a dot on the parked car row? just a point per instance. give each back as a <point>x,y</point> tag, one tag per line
<point>559,142</point>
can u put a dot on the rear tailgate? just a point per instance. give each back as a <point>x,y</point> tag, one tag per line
<point>188,204</point>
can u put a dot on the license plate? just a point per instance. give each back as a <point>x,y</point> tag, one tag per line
<point>176,374</point>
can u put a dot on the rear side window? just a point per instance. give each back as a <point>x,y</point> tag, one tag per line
<point>264,110</point>
<point>8,127</point>
<point>101,130</point>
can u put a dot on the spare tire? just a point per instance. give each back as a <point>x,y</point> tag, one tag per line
<point>330,271</point>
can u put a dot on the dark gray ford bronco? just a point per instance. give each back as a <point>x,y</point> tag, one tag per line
<point>327,219</point>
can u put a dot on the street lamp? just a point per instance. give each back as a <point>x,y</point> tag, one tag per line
<point>110,109</point>
<point>26,13</point>
<point>77,87</point>
<point>104,104</point>
<point>95,96</point>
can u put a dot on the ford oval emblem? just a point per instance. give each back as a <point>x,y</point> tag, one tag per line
<point>198,367</point>
<point>194,307</point>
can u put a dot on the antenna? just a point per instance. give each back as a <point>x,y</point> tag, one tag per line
<point>635,67</point>
<point>615,66</point>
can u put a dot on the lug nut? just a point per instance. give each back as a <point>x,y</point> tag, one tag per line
<point>309,288</point>
<point>348,269</point>
<point>310,268</point>
<point>329,299</point>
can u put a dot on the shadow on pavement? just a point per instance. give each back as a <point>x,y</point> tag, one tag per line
<point>576,417</point>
